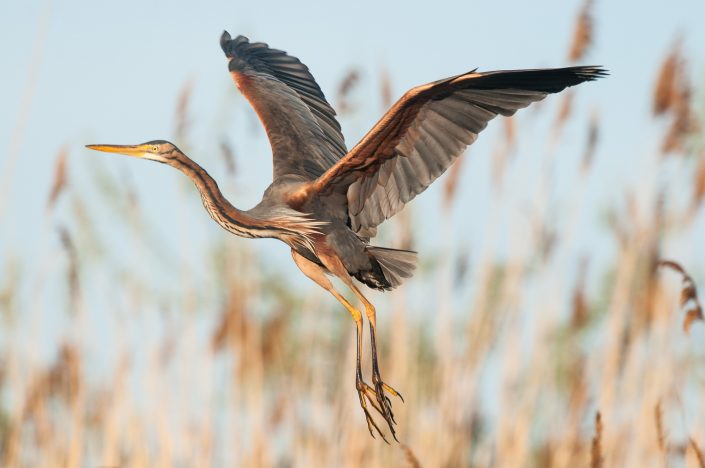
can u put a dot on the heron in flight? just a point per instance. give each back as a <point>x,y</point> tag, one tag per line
<point>325,201</point>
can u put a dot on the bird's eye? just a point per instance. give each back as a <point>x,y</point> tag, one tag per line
<point>155,149</point>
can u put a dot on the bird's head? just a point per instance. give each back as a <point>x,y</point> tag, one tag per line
<point>156,150</point>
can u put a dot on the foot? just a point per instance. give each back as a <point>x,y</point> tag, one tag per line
<point>383,401</point>
<point>380,402</point>
<point>366,393</point>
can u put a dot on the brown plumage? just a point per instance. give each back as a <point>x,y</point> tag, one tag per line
<point>326,202</point>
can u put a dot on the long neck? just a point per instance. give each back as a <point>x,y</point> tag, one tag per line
<point>219,208</point>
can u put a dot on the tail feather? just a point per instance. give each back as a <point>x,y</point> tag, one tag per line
<point>396,265</point>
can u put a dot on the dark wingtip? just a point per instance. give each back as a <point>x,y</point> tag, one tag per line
<point>225,42</point>
<point>593,72</point>
<point>230,45</point>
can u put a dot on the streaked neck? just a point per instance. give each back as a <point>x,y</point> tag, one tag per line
<point>219,208</point>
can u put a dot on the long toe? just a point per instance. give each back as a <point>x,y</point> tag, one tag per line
<point>386,405</point>
<point>391,390</point>
<point>371,424</point>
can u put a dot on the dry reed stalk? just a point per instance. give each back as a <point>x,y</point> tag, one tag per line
<point>519,398</point>
<point>565,110</point>
<point>639,238</point>
<point>522,387</point>
<point>510,131</point>
<point>699,186</point>
<point>579,388</point>
<point>61,382</point>
<point>183,123</point>
<point>660,433</point>
<point>346,86</point>
<point>399,352</point>
<point>450,185</point>
<point>111,409</point>
<point>461,267</point>
<point>591,144</point>
<point>661,436</point>
<point>405,235</point>
<point>484,322</point>
<point>59,180</point>
<point>617,327</point>
<point>130,206</point>
<point>72,273</point>
<point>699,454</point>
<point>547,239</point>
<point>684,123</point>
<point>76,436</point>
<point>582,33</point>
<point>385,89</point>
<point>564,113</point>
<point>229,156</point>
<point>409,456</point>
<point>234,327</point>
<point>673,94</point>
<point>618,227</point>
<point>90,240</point>
<point>65,375</point>
<point>445,375</point>
<point>596,455</point>
<point>646,279</point>
<point>664,90</point>
<point>689,295</point>
<point>504,149</point>
<point>273,333</point>
<point>9,288</point>
<point>580,311</point>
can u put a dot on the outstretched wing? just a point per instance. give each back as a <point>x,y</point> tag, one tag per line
<point>305,136</point>
<point>426,130</point>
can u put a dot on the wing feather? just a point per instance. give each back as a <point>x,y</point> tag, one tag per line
<point>426,130</point>
<point>305,136</point>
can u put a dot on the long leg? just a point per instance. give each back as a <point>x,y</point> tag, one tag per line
<point>364,391</point>
<point>333,263</point>
<point>382,399</point>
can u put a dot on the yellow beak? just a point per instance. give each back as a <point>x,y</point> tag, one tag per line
<point>137,151</point>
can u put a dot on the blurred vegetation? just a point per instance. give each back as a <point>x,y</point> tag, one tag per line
<point>244,368</point>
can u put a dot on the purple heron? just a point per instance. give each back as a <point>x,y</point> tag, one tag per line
<point>325,201</point>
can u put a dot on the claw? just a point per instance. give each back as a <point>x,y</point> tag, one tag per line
<point>385,404</point>
<point>393,392</point>
<point>361,393</point>
<point>380,402</point>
